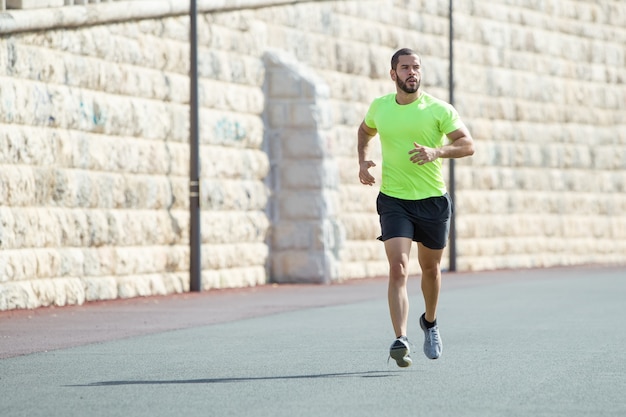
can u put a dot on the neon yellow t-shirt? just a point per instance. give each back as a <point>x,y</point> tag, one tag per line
<point>426,121</point>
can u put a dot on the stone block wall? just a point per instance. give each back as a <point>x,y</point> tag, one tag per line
<point>94,128</point>
<point>95,164</point>
<point>543,88</point>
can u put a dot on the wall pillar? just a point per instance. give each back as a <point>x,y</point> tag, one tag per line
<point>304,178</point>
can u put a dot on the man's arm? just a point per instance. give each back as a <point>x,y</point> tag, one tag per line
<point>461,144</point>
<point>365,135</point>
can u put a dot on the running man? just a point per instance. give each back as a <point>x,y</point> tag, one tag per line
<point>416,131</point>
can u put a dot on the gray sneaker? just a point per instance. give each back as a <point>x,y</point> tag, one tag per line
<point>399,351</point>
<point>432,341</point>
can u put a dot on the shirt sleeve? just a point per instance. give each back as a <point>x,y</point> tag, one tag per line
<point>451,120</point>
<point>370,116</point>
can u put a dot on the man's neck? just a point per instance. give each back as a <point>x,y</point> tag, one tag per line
<point>403,98</point>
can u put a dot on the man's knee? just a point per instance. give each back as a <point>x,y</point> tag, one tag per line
<point>431,271</point>
<point>398,271</point>
<point>430,261</point>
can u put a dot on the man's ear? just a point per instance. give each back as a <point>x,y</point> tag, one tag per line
<point>393,74</point>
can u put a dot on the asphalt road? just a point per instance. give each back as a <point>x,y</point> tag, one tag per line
<point>546,342</point>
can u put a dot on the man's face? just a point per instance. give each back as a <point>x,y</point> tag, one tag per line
<point>408,73</point>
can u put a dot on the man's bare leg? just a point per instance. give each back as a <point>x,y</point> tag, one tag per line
<point>430,262</point>
<point>398,250</point>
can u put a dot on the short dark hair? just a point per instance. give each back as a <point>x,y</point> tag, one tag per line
<point>404,51</point>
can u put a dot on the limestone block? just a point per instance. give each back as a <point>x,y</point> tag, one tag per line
<point>229,129</point>
<point>229,67</point>
<point>491,202</point>
<point>176,283</point>
<point>302,143</point>
<point>99,261</point>
<point>239,31</point>
<point>309,174</point>
<point>180,193</point>
<point>294,235</point>
<point>359,198</point>
<point>360,226</point>
<point>129,227</point>
<point>608,158</point>
<point>617,227</point>
<point>139,260</point>
<point>307,235</point>
<point>38,293</point>
<point>304,266</point>
<point>473,226</point>
<point>228,256</point>
<point>242,195</point>
<point>36,64</point>
<point>306,205</point>
<point>303,115</point>
<point>475,264</point>
<point>93,112</point>
<point>59,291</point>
<point>436,73</point>
<point>129,286</point>
<point>151,284</point>
<point>168,226</point>
<point>487,179</point>
<point>235,163</point>
<point>234,278</point>
<point>363,251</point>
<point>17,185</point>
<point>283,83</point>
<point>144,260</point>
<point>350,59</point>
<point>357,270</point>
<point>47,261</point>
<point>17,295</point>
<point>162,54</point>
<point>278,114</point>
<point>344,113</point>
<point>229,227</point>
<point>220,95</point>
<point>16,265</point>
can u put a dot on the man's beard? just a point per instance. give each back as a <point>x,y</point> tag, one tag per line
<point>406,88</point>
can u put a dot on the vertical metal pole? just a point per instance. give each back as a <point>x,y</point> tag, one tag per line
<point>195,235</point>
<point>452,185</point>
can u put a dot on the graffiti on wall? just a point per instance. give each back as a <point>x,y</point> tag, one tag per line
<point>228,130</point>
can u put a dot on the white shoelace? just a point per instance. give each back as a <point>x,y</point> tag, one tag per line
<point>434,335</point>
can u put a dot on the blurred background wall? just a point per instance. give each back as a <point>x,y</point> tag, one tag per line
<point>94,139</point>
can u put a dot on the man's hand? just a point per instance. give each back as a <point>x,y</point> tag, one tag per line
<point>421,155</point>
<point>364,175</point>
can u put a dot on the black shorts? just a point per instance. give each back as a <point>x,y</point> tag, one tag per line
<point>426,221</point>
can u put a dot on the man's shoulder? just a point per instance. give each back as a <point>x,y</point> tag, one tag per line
<point>387,98</point>
<point>436,106</point>
<point>430,99</point>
